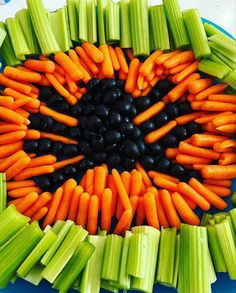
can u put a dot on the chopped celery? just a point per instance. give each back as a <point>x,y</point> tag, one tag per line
<point>17,250</point>
<point>102,233</point>
<point>218,217</point>
<point>166,257</point>
<point>176,22</point>
<point>196,33</point>
<point>223,51</point>
<point>211,29</point>
<point>92,23</point>
<point>83,21</point>
<point>41,24</point>
<point>140,27</point>
<point>151,37</point>
<point>61,236</point>
<point>225,42</point>
<point>112,22</point>
<point>205,219</point>
<point>59,23</point>
<point>227,245</point>
<point>91,275</point>
<point>137,256</point>
<point>36,254</point>
<point>64,253</point>
<point>2,36</point>
<point>17,38</point>
<point>222,59</point>
<point>3,192</point>
<point>28,31</point>
<point>11,221</point>
<point>34,276</point>
<point>231,80</point>
<point>58,226</point>
<point>212,68</point>
<point>73,268</point>
<point>159,27</point>
<point>112,258</point>
<point>107,286</point>
<point>125,25</point>
<point>101,8</point>
<point>73,17</point>
<point>232,214</point>
<point>177,260</point>
<point>153,235</point>
<point>212,269</point>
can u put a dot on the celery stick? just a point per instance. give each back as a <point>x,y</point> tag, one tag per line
<point>176,22</point>
<point>91,275</point>
<point>177,260</point>
<point>6,50</point>
<point>3,192</point>
<point>140,27</point>
<point>112,22</point>
<point>101,8</point>
<point>73,16</point>
<point>228,247</point>
<point>211,30</point>
<point>218,217</point>
<point>61,236</point>
<point>225,42</point>
<point>166,257</point>
<point>2,36</point>
<point>34,276</point>
<point>112,258</point>
<point>64,253</point>
<point>83,22</point>
<point>107,286</point>
<point>59,22</point>
<point>102,233</point>
<point>212,269</point>
<point>58,226</point>
<point>36,254</point>
<point>223,51</point>
<point>151,37</point>
<point>222,59</point>
<point>41,24</point>
<point>92,23</point>
<point>137,256</point>
<point>196,33</point>
<point>159,27</point>
<point>232,214</point>
<point>17,38</point>
<point>231,80</point>
<point>153,235</point>
<point>213,68</point>
<point>28,31</point>
<point>125,25</point>
<point>11,221</point>
<point>12,238</point>
<point>205,219</point>
<point>73,268</point>
<point>14,254</point>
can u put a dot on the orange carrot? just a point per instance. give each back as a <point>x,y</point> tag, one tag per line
<point>20,75</point>
<point>147,90</point>
<point>10,116</point>
<point>74,57</point>
<point>18,86</point>
<point>198,167</point>
<point>11,160</point>
<point>83,181</point>
<point>200,85</point>
<point>20,184</point>
<point>197,151</point>
<point>9,149</point>
<point>61,79</point>
<point>119,209</point>
<point>126,179</point>
<point>228,143</point>
<point>82,215</point>
<point>106,213</point>
<point>71,161</point>
<point>223,98</point>
<point>71,84</point>
<point>190,159</point>
<point>129,53</point>
<point>112,186</point>
<point>211,117</point>
<point>160,132</point>
<point>184,119</point>
<point>27,202</point>
<point>140,212</point>
<point>14,201</point>
<point>32,134</point>
<point>87,60</point>
<point>39,215</point>
<point>162,58</point>
<point>218,106</point>
<point>165,183</point>
<point>123,222</point>
<point>179,68</point>
<point>206,140</point>
<point>56,199</point>
<point>171,153</point>
<point>154,174</point>
<point>150,210</point>
<point>132,76</point>
<point>17,167</point>
<point>180,58</point>
<point>58,68</point>
<point>191,193</point>
<point>89,181</point>
<point>99,184</point>
<point>40,66</point>
<point>227,159</point>
<point>114,59</point>
<point>145,177</point>
<point>219,190</point>
<point>6,101</point>
<point>169,208</point>
<point>15,94</point>
<point>56,137</point>
<point>121,58</point>
<point>134,200</point>
<point>228,128</point>
<point>224,120</point>
<point>74,204</point>
<point>107,65</point>
<point>136,184</point>
<point>160,212</point>
<point>93,52</point>
<point>223,183</point>
<point>218,148</point>
<point>186,72</point>
<point>21,192</point>
<point>41,202</point>
<point>32,172</point>
<point>22,112</point>
<point>184,210</point>
<point>92,221</point>
<point>148,65</point>
<point>42,160</point>
<point>191,204</point>
<point>215,89</point>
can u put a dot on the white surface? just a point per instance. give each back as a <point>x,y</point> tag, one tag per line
<point>222,12</point>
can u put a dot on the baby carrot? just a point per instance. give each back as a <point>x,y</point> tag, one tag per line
<point>20,184</point>
<point>148,65</point>
<point>129,53</point>
<point>114,59</point>
<point>186,72</point>
<point>197,151</point>
<point>160,212</point>
<point>71,161</point>
<point>227,159</point>
<point>171,153</point>
<point>197,86</point>
<point>198,167</point>
<point>112,186</point>
<point>121,58</point>
<point>205,118</point>
<point>223,183</point>
<point>9,149</point>
<point>10,116</point>
<point>184,210</point>
<point>209,195</point>
<point>154,174</point>
<point>223,98</point>
<point>32,134</point>
<point>206,140</point>
<point>218,148</point>
<point>134,200</point>
<point>41,202</point>
<point>180,58</point>
<point>191,193</point>
<point>219,190</point>
<point>58,68</point>
<point>126,179</point>
<point>26,202</point>
<point>6,101</point>
<point>165,183</point>
<point>119,209</point>
<point>179,68</point>
<point>169,208</point>
<point>21,192</point>
<point>124,220</point>
<point>136,184</point>
<point>106,210</point>
<point>32,172</point>
<point>83,181</point>
<point>74,204</point>
<point>56,199</point>
<point>17,167</point>
<point>99,184</point>
<point>92,222</point>
<point>150,210</point>
<point>106,65</point>
<point>224,120</point>
<point>14,201</point>
<point>140,212</point>
<point>87,60</point>
<point>93,52</point>
<point>74,57</point>
<point>215,89</point>
<point>56,137</point>
<point>228,143</point>
<point>218,106</point>
<point>42,160</point>
<point>132,76</point>
<point>184,119</point>
<point>160,132</point>
<point>40,66</point>
<point>89,181</point>
<point>11,160</point>
<point>190,159</point>
<point>39,215</point>
<point>82,215</point>
<point>146,180</point>
<point>61,79</point>
<point>191,204</point>
<point>228,128</point>
<point>18,86</point>
<point>73,88</point>
<point>162,58</point>
<point>20,75</point>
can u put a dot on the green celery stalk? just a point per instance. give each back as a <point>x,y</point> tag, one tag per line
<point>34,276</point>
<point>222,59</point>
<point>211,30</point>
<point>125,25</point>
<point>2,36</point>
<point>225,42</point>
<point>61,236</point>
<point>76,285</point>
<point>91,275</point>
<point>36,254</point>
<point>124,278</point>
<point>232,214</point>
<point>230,55</point>
<point>153,235</point>
<point>11,221</point>
<point>58,226</point>
<point>73,16</point>
<point>112,258</point>
<point>205,219</point>
<point>212,68</point>
<point>28,31</point>
<point>83,22</point>
<point>140,27</point>
<point>112,22</point>
<point>176,22</point>
<point>6,50</point>
<point>166,257</point>
<point>137,256</point>
<point>177,260</point>
<point>227,245</point>
<point>151,37</point>
<point>101,10</point>
<point>3,191</point>
<point>64,253</point>
<point>158,23</point>
<point>92,23</point>
<point>212,269</point>
<point>73,268</point>
<point>18,249</point>
<point>59,24</point>
<point>43,30</point>
<point>17,38</point>
<point>218,217</point>
<point>230,79</point>
<point>196,33</point>
<point>107,286</point>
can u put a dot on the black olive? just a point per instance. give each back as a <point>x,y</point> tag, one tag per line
<point>44,182</point>
<point>87,134</point>
<point>56,147</point>
<point>121,83</point>
<point>74,132</point>
<point>177,170</point>
<point>127,98</point>
<point>63,107</point>
<point>76,110</point>
<point>148,126</point>
<point>192,174</point>
<point>30,146</point>
<point>108,84</point>
<point>111,148</point>
<point>102,111</point>
<point>142,103</point>
<point>114,160</point>
<point>165,85</point>
<point>133,111</point>
<point>89,109</point>
<point>131,150</point>
<point>180,132</point>
<point>129,164</point>
<point>141,146</point>
<point>99,157</point>
<point>97,142</point>
<point>93,84</point>
<point>55,99</point>
<point>35,121</point>
<point>83,122</point>
<point>124,107</point>
<point>57,177</point>
<point>85,148</point>
<point>84,164</point>
<point>163,164</point>
<point>94,122</point>
<point>192,128</point>
<point>70,149</point>
<point>169,140</point>
<point>135,133</point>
<point>87,98</point>
<point>111,97</point>
<point>161,119</point>
<point>59,128</point>
<point>44,145</point>
<point>69,171</point>
<point>147,162</point>
<point>114,119</point>
<point>45,92</point>
<point>172,110</point>
<point>97,98</point>
<point>155,149</point>
<point>112,137</point>
<point>126,127</point>
<point>156,95</point>
<point>125,119</point>
<point>184,108</point>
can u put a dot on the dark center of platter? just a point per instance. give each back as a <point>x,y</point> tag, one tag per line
<point>106,132</point>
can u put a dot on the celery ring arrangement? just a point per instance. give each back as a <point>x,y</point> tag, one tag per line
<point>123,124</point>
